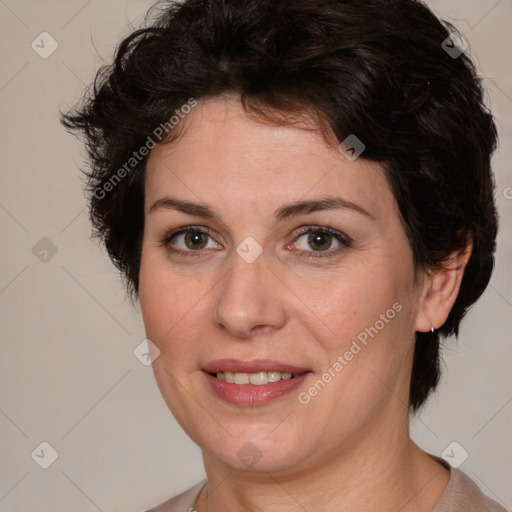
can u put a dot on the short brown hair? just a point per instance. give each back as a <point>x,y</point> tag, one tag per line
<point>378,69</point>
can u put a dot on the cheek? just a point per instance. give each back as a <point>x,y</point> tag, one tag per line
<point>154,301</point>
<point>367,345</point>
<point>350,307</point>
<point>166,305</point>
<point>176,309</point>
<point>170,312</point>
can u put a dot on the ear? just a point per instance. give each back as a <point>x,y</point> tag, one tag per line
<point>440,289</point>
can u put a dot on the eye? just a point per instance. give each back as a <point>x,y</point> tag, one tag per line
<point>191,238</point>
<point>321,240</point>
<point>194,240</point>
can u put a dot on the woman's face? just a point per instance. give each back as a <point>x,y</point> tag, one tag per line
<point>258,285</point>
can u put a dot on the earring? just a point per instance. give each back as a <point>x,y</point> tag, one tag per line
<point>432,329</point>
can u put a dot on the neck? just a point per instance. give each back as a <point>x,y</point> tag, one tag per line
<point>390,473</point>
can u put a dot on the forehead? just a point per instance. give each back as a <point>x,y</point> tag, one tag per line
<point>222,154</point>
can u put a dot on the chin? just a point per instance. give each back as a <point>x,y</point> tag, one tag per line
<point>251,449</point>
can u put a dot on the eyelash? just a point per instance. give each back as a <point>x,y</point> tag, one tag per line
<point>344,240</point>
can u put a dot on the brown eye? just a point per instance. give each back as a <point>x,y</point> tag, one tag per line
<point>188,241</point>
<point>320,240</point>
<point>195,239</point>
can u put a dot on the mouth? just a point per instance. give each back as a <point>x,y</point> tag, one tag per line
<point>251,383</point>
<point>256,379</point>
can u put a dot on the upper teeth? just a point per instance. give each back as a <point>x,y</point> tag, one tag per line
<point>258,378</point>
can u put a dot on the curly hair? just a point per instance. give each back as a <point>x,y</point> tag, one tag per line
<point>379,69</point>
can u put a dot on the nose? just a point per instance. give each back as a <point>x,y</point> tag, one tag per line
<point>250,299</point>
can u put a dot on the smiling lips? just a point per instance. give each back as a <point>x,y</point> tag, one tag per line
<point>254,382</point>
<point>257,379</point>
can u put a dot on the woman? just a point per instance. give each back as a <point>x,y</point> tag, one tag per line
<point>300,196</point>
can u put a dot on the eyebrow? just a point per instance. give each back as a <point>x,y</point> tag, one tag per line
<point>284,212</point>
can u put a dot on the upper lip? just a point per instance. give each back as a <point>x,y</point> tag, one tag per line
<point>253,366</point>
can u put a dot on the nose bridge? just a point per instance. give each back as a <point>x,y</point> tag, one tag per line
<point>247,295</point>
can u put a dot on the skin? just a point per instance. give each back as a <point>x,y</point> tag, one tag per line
<point>349,447</point>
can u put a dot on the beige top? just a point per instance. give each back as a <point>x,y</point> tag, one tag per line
<point>460,495</point>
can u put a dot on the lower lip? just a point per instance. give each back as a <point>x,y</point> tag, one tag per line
<point>250,394</point>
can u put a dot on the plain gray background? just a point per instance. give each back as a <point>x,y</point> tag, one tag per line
<point>68,373</point>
